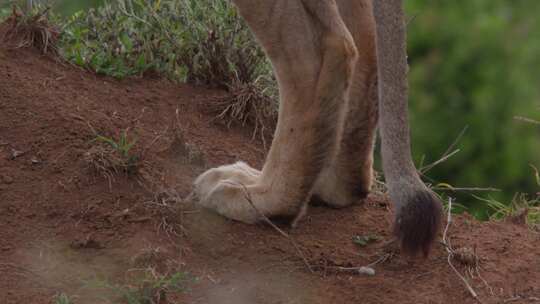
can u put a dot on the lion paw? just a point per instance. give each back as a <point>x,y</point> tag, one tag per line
<point>223,189</point>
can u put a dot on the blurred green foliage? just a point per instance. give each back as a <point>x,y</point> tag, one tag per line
<point>199,41</point>
<point>475,66</point>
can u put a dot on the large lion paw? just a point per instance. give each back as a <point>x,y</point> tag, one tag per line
<point>223,189</point>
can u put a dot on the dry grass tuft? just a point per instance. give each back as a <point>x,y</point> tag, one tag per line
<point>107,161</point>
<point>246,104</point>
<point>168,206</point>
<point>25,30</point>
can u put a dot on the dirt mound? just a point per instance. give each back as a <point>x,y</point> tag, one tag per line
<point>65,224</point>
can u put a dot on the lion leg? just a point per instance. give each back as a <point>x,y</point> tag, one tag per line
<point>314,68</point>
<point>347,178</point>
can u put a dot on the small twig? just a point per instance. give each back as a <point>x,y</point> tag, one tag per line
<point>448,222</point>
<point>525,119</point>
<point>363,269</point>
<point>444,158</point>
<point>473,189</point>
<point>283,233</point>
<point>450,251</point>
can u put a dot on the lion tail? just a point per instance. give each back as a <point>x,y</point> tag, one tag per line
<point>418,210</point>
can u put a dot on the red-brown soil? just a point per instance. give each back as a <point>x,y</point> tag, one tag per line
<point>62,225</point>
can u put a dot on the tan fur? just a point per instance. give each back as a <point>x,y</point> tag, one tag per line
<point>324,55</point>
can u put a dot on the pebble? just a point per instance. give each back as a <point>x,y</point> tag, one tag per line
<point>366,271</point>
<point>7,179</point>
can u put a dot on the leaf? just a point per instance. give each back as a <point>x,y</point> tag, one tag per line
<point>126,42</point>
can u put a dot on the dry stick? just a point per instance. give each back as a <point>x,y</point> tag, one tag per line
<point>450,251</point>
<point>367,268</point>
<point>381,259</point>
<point>283,233</point>
<point>525,119</point>
<point>473,189</point>
<point>441,160</point>
<point>448,153</point>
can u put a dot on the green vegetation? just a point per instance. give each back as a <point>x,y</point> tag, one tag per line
<point>475,64</point>
<point>364,240</point>
<point>474,67</point>
<point>113,156</point>
<point>148,288</point>
<point>62,299</point>
<point>201,42</point>
<point>122,145</point>
<point>521,208</point>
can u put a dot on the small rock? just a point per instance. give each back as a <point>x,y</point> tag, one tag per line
<point>7,248</point>
<point>8,180</point>
<point>16,153</point>
<point>35,161</point>
<point>366,271</point>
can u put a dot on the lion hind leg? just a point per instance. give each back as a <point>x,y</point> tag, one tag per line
<point>347,178</point>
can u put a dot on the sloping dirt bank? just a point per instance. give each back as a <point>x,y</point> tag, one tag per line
<point>64,225</point>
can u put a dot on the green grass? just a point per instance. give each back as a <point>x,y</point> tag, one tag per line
<point>148,288</point>
<point>198,41</point>
<point>62,298</point>
<point>522,204</point>
<point>123,145</point>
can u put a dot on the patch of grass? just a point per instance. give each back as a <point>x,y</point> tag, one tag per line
<point>199,41</point>
<point>148,288</point>
<point>62,298</point>
<point>123,145</point>
<point>522,209</point>
<point>364,240</point>
<point>113,156</point>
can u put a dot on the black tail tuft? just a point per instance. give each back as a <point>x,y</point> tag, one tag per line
<point>418,222</point>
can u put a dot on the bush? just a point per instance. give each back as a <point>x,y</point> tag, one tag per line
<point>198,41</point>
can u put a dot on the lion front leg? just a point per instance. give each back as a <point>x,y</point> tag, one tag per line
<point>313,55</point>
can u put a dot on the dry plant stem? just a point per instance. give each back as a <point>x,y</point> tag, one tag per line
<point>444,158</point>
<point>381,259</point>
<point>525,119</point>
<point>450,251</point>
<point>283,233</point>
<point>447,154</point>
<point>474,189</point>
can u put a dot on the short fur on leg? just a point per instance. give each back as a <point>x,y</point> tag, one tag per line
<point>319,133</point>
<point>346,179</point>
<point>313,66</point>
